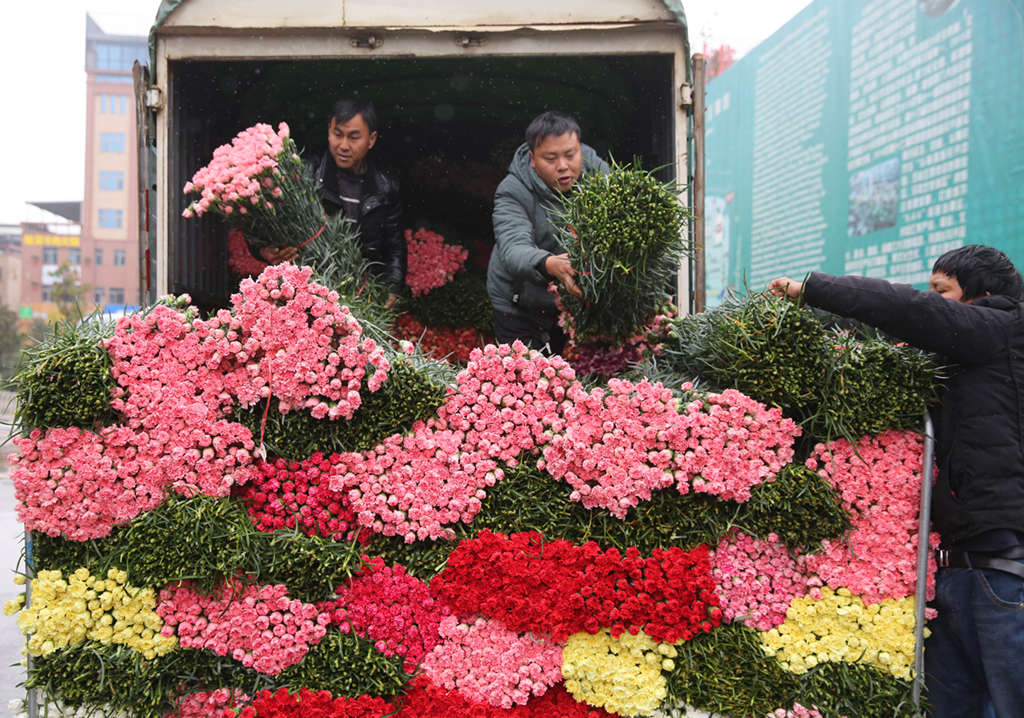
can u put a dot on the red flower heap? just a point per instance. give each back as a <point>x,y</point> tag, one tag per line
<point>532,585</point>
<point>393,609</point>
<point>294,495</point>
<point>240,259</point>
<point>455,345</point>
<point>305,703</point>
<point>426,700</point>
<point>432,263</point>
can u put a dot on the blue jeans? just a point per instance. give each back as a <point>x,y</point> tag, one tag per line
<point>974,658</point>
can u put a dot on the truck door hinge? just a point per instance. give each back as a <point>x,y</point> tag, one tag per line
<point>367,43</point>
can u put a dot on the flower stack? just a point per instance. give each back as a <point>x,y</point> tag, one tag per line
<point>275,515</point>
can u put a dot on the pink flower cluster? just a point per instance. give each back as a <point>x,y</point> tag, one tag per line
<point>393,609</point>
<point>208,703</point>
<point>615,449</point>
<point>259,626</point>
<point>297,343</point>
<point>241,174</point>
<point>77,484</point>
<point>756,579</point>
<point>881,488</point>
<point>174,388</point>
<point>488,663</point>
<point>730,443</point>
<point>505,402</point>
<point>240,259</point>
<point>432,263</point>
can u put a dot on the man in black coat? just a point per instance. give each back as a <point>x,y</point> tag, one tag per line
<point>974,318</point>
<point>348,182</point>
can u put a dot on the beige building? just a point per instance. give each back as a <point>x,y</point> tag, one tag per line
<point>10,266</point>
<point>109,256</point>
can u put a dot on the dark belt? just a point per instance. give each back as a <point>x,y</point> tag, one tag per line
<point>998,561</point>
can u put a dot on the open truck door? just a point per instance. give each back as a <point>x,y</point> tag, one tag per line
<point>146,104</point>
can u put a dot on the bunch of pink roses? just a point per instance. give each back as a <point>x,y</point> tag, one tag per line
<point>432,262</point>
<point>486,662</point>
<point>77,484</point>
<point>881,488</point>
<point>756,579</point>
<point>393,609</point>
<point>259,626</point>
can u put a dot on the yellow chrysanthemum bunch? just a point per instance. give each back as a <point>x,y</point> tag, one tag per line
<point>82,607</point>
<point>839,627</point>
<point>622,675</point>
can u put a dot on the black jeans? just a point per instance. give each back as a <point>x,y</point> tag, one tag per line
<point>509,327</point>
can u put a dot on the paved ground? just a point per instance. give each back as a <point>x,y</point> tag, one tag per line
<point>12,536</point>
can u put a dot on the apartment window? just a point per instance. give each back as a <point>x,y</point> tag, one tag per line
<point>116,295</point>
<point>118,259</point>
<point>112,180</point>
<point>49,255</point>
<point>99,257</point>
<point>75,255</point>
<point>119,57</point>
<point>123,103</point>
<point>111,142</point>
<point>98,295</point>
<point>111,219</point>
<point>103,104</point>
<point>47,294</point>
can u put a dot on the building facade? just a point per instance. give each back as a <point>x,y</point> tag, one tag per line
<point>109,253</point>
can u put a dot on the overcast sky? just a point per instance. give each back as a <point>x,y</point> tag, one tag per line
<point>42,51</point>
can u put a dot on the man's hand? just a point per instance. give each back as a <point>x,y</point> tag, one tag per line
<point>557,265</point>
<point>277,255</point>
<point>786,287</point>
<point>392,298</point>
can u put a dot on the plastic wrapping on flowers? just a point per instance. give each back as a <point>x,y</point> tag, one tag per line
<point>504,541</point>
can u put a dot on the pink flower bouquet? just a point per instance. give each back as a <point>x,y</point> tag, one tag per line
<point>258,185</point>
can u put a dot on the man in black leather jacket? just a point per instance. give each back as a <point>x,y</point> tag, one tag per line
<point>974,318</point>
<point>348,182</point>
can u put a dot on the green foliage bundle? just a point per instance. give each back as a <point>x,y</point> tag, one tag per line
<point>800,507</point>
<point>203,539</point>
<point>462,302</point>
<point>66,380</point>
<point>348,666</point>
<point>834,383</point>
<point>623,233</point>
<point>414,389</point>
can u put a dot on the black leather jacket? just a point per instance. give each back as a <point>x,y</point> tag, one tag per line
<point>380,216</point>
<point>979,425</point>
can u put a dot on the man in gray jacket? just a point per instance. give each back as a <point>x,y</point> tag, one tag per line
<point>527,253</point>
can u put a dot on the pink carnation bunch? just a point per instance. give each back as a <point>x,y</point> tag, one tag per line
<point>432,262</point>
<point>728,443</point>
<point>614,450</point>
<point>488,663</point>
<point>203,704</point>
<point>506,401</point>
<point>257,625</point>
<point>240,175</point>
<point>798,711</point>
<point>296,342</point>
<point>756,579</point>
<point>174,390</point>
<point>880,485</point>
<point>392,608</point>
<point>77,484</point>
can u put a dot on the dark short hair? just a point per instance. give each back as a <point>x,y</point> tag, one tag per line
<point>550,123</point>
<point>345,109</point>
<point>979,269</point>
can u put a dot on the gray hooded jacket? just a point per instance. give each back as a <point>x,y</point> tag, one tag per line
<point>523,233</point>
